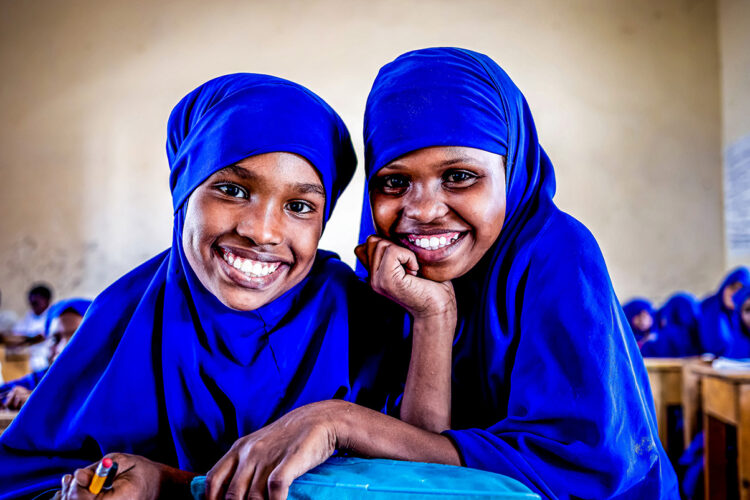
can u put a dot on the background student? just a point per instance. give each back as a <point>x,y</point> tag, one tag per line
<point>62,320</point>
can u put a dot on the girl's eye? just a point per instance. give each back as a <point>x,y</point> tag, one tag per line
<point>299,207</point>
<point>392,183</point>
<point>458,176</point>
<point>232,190</point>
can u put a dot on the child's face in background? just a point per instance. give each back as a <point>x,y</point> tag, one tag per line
<point>251,230</point>
<point>745,314</point>
<point>38,303</point>
<point>643,321</point>
<point>729,292</point>
<point>62,329</point>
<point>446,204</point>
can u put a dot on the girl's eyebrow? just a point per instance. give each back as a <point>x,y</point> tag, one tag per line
<point>239,172</point>
<point>447,163</point>
<point>306,188</point>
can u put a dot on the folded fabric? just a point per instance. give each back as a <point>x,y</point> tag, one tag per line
<point>373,479</point>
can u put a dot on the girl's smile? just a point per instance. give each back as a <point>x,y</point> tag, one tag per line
<point>251,271</point>
<point>446,204</point>
<point>252,229</point>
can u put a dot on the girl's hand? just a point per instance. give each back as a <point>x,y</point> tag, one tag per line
<point>137,477</point>
<point>16,398</point>
<point>264,464</point>
<point>393,273</point>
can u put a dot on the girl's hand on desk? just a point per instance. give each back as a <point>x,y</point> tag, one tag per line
<point>264,464</point>
<point>393,273</point>
<point>137,477</point>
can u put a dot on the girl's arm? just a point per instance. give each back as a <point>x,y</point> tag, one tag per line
<point>393,273</point>
<point>264,463</point>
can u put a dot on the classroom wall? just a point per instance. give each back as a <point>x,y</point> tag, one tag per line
<point>734,43</point>
<point>625,95</point>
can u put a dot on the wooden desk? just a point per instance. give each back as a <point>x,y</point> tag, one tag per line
<point>726,410</point>
<point>692,399</point>
<point>6,417</point>
<point>15,363</point>
<point>665,377</point>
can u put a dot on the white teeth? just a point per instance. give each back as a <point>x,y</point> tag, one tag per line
<point>252,268</point>
<point>247,266</point>
<point>435,242</point>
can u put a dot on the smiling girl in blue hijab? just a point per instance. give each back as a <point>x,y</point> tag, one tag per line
<point>239,322</point>
<point>716,312</point>
<point>545,383</point>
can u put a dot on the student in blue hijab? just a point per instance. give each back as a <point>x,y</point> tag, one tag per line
<point>544,383</point>
<point>237,323</point>
<point>738,346</point>
<point>678,326</point>
<point>716,312</point>
<point>63,319</point>
<point>641,318</point>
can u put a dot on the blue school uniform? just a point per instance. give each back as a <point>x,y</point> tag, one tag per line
<point>716,323</point>
<point>548,385</point>
<point>738,346</point>
<point>57,309</point>
<point>651,344</point>
<point>160,367</point>
<point>678,326</point>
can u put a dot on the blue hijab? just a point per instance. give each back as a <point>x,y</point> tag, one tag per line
<point>160,367</point>
<point>739,344</point>
<point>548,384</point>
<point>681,313</point>
<point>678,328</point>
<point>716,324</point>
<point>57,309</point>
<point>633,308</point>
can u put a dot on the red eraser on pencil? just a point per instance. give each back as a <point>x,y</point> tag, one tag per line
<point>107,462</point>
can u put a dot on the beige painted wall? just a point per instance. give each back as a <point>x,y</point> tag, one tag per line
<point>734,43</point>
<point>625,94</point>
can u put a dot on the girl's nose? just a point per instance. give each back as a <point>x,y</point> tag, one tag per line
<point>262,223</point>
<point>424,205</point>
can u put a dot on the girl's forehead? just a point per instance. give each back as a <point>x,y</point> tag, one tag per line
<point>277,168</point>
<point>445,156</point>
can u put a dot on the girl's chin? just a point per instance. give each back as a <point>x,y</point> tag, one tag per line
<point>438,273</point>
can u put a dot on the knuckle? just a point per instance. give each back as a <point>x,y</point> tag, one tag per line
<point>232,495</point>
<point>278,481</point>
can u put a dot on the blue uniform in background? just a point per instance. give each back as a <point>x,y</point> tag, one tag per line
<point>678,326</point>
<point>716,322</point>
<point>548,385</point>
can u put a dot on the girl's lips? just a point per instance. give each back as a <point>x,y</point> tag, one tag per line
<point>433,251</point>
<point>256,275</point>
